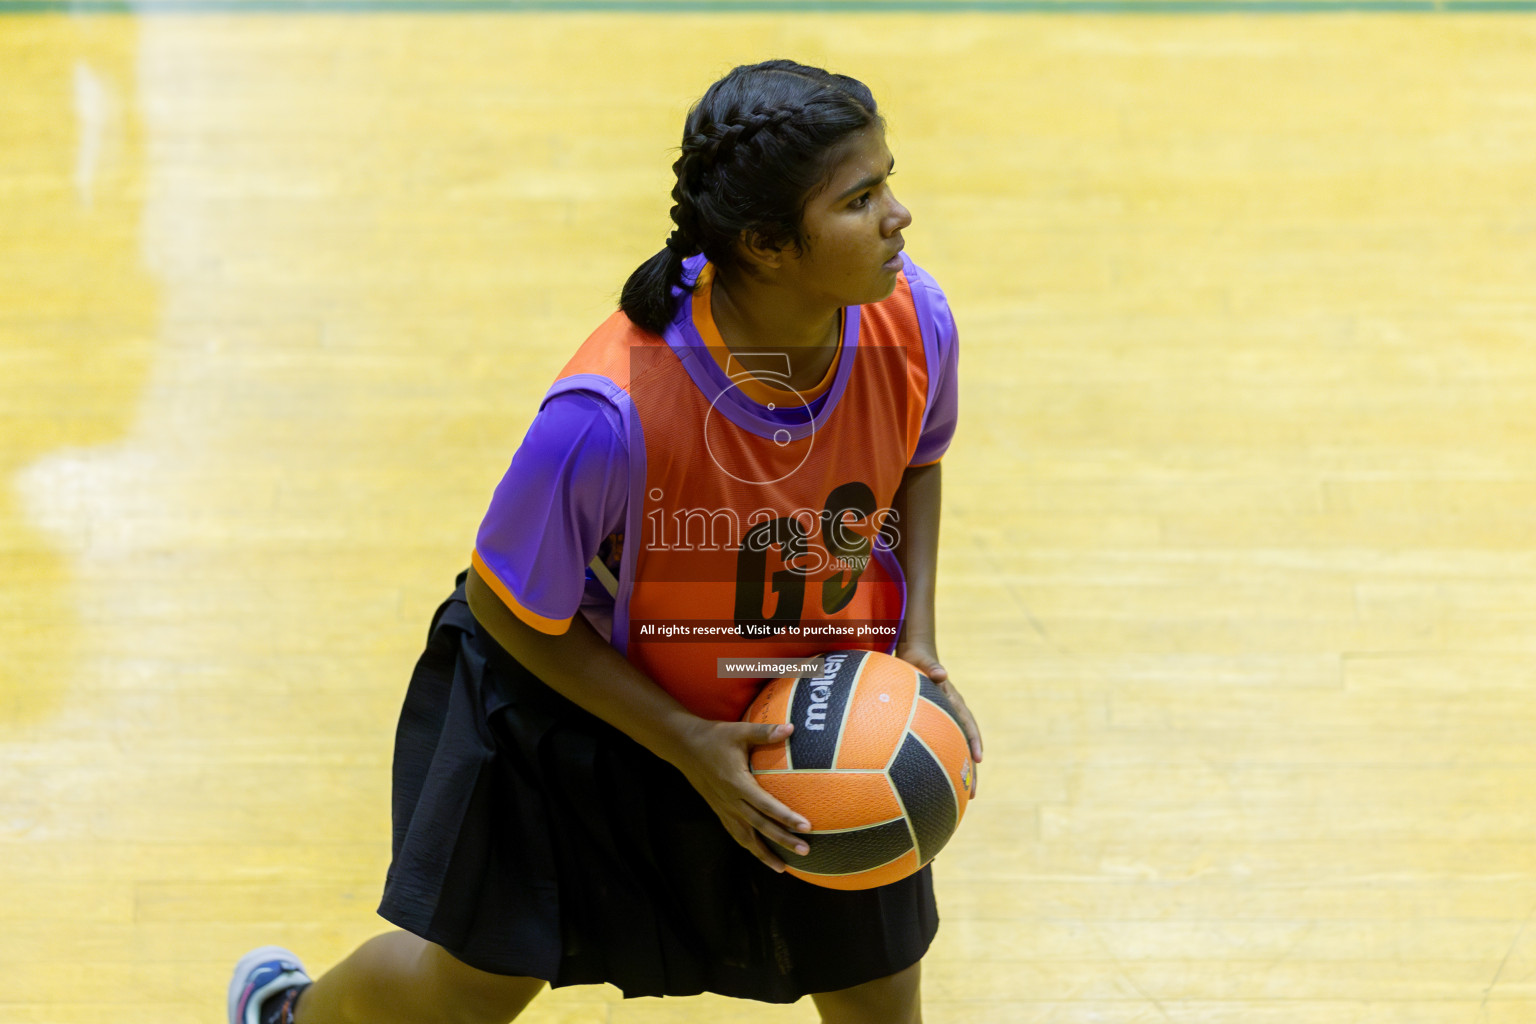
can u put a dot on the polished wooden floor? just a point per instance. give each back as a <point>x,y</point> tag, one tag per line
<point>1239,564</point>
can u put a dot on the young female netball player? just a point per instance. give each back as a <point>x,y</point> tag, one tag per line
<point>572,799</point>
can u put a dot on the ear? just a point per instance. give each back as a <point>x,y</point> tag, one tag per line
<point>756,253</point>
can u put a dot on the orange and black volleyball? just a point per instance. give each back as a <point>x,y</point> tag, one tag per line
<point>877,763</point>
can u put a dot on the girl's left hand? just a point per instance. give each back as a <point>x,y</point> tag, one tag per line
<point>926,660</point>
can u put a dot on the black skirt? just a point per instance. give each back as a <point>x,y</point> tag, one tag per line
<point>533,839</point>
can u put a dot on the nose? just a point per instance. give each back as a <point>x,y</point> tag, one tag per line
<point>898,217</point>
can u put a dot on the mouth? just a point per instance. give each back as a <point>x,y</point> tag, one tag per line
<point>894,263</point>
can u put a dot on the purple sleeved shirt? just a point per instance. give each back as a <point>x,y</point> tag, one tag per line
<point>565,492</point>
<point>567,489</point>
<point>940,417</point>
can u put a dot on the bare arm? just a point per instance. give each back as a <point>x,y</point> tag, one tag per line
<point>583,667</point>
<point>917,506</point>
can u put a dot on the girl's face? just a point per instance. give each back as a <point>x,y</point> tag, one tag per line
<point>852,229</point>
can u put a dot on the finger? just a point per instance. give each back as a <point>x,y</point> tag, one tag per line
<point>750,840</point>
<point>972,733</point>
<point>773,830</point>
<point>967,720</point>
<point>765,804</point>
<point>757,734</point>
<point>765,853</point>
<point>928,666</point>
<point>973,737</point>
<point>758,848</point>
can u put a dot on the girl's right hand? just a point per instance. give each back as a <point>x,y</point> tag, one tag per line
<point>715,759</point>
<point>584,667</point>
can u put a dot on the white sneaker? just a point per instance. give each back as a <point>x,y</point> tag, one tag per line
<point>261,974</point>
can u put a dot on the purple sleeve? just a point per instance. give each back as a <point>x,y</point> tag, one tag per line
<point>939,424</point>
<point>566,490</point>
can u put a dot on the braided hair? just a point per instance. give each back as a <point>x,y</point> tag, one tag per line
<point>755,147</point>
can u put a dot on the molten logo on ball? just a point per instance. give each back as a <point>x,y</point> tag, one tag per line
<point>821,692</point>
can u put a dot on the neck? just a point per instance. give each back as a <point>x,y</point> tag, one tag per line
<point>758,316</point>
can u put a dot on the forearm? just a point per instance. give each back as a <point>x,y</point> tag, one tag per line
<point>917,506</point>
<point>583,667</point>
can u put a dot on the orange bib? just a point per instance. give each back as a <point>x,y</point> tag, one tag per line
<point>750,532</point>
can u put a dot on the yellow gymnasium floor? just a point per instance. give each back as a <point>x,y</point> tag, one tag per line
<point>1239,565</point>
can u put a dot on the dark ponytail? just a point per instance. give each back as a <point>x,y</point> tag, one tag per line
<point>754,148</point>
<point>647,295</point>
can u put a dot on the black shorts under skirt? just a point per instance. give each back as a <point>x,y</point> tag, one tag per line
<point>533,839</point>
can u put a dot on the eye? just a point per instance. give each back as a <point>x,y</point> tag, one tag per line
<point>864,200</point>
